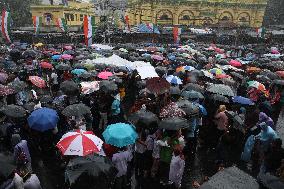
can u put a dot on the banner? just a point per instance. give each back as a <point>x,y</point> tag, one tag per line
<point>176,34</point>
<point>36,22</point>
<point>5,25</point>
<point>88,30</point>
<point>61,23</point>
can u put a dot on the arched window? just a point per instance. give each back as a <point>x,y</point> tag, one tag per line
<point>185,17</point>
<point>164,17</point>
<point>225,18</point>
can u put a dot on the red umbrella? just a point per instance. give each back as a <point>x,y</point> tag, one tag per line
<point>79,143</point>
<point>172,110</point>
<point>46,65</point>
<point>158,85</point>
<point>221,76</point>
<point>280,73</point>
<point>37,81</point>
<point>5,90</point>
<point>235,63</point>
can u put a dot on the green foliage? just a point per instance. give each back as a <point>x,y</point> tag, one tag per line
<point>20,11</point>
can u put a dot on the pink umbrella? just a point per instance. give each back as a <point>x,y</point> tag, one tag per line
<point>3,77</point>
<point>104,75</point>
<point>68,47</point>
<point>235,63</point>
<point>157,57</point>
<point>274,51</point>
<point>66,57</point>
<point>37,81</point>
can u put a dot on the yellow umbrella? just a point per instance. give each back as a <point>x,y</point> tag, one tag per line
<point>39,44</point>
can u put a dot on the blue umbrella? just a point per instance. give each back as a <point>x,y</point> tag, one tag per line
<point>43,119</point>
<point>202,109</point>
<point>120,135</point>
<point>174,80</point>
<point>242,100</point>
<point>56,57</point>
<point>78,71</point>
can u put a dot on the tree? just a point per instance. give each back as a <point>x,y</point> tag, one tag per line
<point>20,11</point>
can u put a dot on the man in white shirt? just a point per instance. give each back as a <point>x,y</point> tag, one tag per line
<point>120,161</point>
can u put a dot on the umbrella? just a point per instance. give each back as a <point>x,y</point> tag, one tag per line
<point>175,90</point>
<point>222,76</point>
<point>30,53</point>
<point>17,85</point>
<point>237,75</point>
<point>63,67</point>
<point>220,89</point>
<point>29,107</point>
<point>120,135</point>
<point>37,81</point>
<point>144,117</point>
<point>157,85</point>
<point>194,87</point>
<point>161,70</point>
<point>192,95</point>
<point>56,57</point>
<point>69,52</point>
<point>66,56</point>
<point>219,98</point>
<point>174,123</point>
<point>7,165</point>
<point>43,119</point>
<point>39,44</point>
<point>279,82</point>
<point>46,99</point>
<point>79,143</point>
<point>242,100</point>
<point>91,171</point>
<point>216,71</point>
<point>69,87</point>
<point>172,110</point>
<point>14,111</point>
<point>104,75</point>
<point>108,86</point>
<point>3,77</point>
<point>269,74</point>
<point>76,110</point>
<point>78,71</point>
<point>174,80</point>
<point>263,78</point>
<point>157,57</point>
<point>280,74</point>
<point>235,63</point>
<point>68,47</point>
<point>86,75</point>
<point>230,178</point>
<point>6,90</point>
<point>188,107</point>
<point>46,65</point>
<point>257,85</point>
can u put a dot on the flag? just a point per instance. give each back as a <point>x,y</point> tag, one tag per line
<point>127,22</point>
<point>5,26</point>
<point>61,24</point>
<point>176,33</point>
<point>36,21</point>
<point>260,32</point>
<point>88,29</point>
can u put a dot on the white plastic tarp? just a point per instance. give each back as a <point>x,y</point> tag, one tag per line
<point>147,72</point>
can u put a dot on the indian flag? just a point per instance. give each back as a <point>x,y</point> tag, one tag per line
<point>61,23</point>
<point>260,32</point>
<point>6,23</point>
<point>88,29</point>
<point>36,21</point>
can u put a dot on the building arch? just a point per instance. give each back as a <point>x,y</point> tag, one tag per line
<point>164,17</point>
<point>186,17</point>
<point>244,19</point>
<point>226,16</point>
<point>208,21</point>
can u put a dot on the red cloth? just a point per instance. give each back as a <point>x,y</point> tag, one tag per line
<point>109,149</point>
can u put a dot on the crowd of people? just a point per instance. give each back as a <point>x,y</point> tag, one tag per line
<point>132,130</point>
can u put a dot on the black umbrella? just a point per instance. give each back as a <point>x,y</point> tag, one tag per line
<point>175,90</point>
<point>69,87</point>
<point>29,106</point>
<point>14,111</point>
<point>116,79</point>
<point>220,89</point>
<point>29,54</point>
<point>18,85</point>
<point>144,117</point>
<point>76,110</point>
<point>263,78</point>
<point>161,70</point>
<point>237,75</point>
<point>90,172</point>
<point>194,87</point>
<point>63,67</point>
<point>86,75</point>
<point>7,165</point>
<point>269,74</point>
<point>219,98</point>
<point>174,123</point>
<point>279,82</point>
<point>108,86</point>
<point>192,95</point>
<point>188,107</point>
<point>15,54</point>
<point>46,99</point>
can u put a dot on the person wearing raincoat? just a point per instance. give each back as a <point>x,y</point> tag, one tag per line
<point>177,167</point>
<point>266,136</point>
<point>265,118</point>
